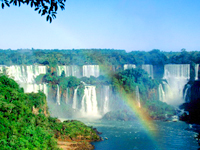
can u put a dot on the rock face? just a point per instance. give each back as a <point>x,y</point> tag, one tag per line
<point>35,111</point>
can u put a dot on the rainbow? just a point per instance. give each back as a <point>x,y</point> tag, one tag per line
<point>144,119</point>
<point>140,112</point>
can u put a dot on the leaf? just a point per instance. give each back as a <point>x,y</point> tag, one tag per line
<point>50,19</point>
<point>7,4</point>
<point>15,2</point>
<point>36,9</point>
<point>62,7</point>
<point>43,13</point>
<point>2,5</point>
<point>54,16</point>
<point>47,18</point>
<point>32,4</point>
<point>11,1</point>
<point>56,7</point>
<point>27,2</point>
<point>39,11</point>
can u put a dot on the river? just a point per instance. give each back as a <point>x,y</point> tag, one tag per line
<point>132,135</point>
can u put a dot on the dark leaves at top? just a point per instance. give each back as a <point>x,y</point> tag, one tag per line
<point>47,7</point>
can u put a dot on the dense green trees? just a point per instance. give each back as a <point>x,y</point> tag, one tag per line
<point>19,128</point>
<point>25,124</point>
<point>95,56</point>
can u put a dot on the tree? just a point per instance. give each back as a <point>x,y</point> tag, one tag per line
<point>44,7</point>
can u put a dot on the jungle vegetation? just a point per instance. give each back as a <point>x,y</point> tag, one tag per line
<point>95,56</point>
<point>25,122</point>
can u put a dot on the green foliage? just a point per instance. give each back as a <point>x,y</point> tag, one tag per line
<point>122,115</point>
<point>38,100</point>
<point>105,57</point>
<point>72,129</point>
<point>158,109</point>
<point>39,78</point>
<point>69,82</point>
<point>130,78</point>
<point>21,129</point>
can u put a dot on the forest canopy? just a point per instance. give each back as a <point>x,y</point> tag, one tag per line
<point>95,56</point>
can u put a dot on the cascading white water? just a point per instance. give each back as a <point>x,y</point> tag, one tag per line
<point>25,74</point>
<point>148,69</point>
<point>161,93</point>
<point>90,70</point>
<point>186,93</point>
<point>58,95</point>
<point>45,90</point>
<point>75,71</point>
<point>25,77</point>
<point>129,66</point>
<point>30,75</point>
<point>60,69</point>
<point>72,70</point>
<point>38,69</point>
<point>89,103</point>
<point>33,87</point>
<point>17,73</point>
<point>75,101</point>
<point>106,95</point>
<point>137,93</point>
<point>196,71</point>
<point>177,76</point>
<point>1,68</point>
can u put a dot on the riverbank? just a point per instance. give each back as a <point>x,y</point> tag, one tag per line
<point>83,145</point>
<point>78,142</point>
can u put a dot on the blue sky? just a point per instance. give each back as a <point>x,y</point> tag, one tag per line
<point>168,25</point>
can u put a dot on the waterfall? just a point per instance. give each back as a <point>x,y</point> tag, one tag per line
<point>106,95</point>
<point>30,75</point>
<point>33,87</point>
<point>75,71</point>
<point>60,69</point>
<point>129,66</point>
<point>148,69</point>
<point>72,70</point>
<point>25,74</point>
<point>45,90</point>
<point>177,76</point>
<point>25,77</point>
<point>58,96</point>
<point>40,70</point>
<point>196,71</point>
<point>161,93</point>
<point>90,70</point>
<point>186,93</point>
<point>89,103</point>
<point>75,101</point>
<point>1,68</point>
<point>137,96</point>
<point>17,73</point>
